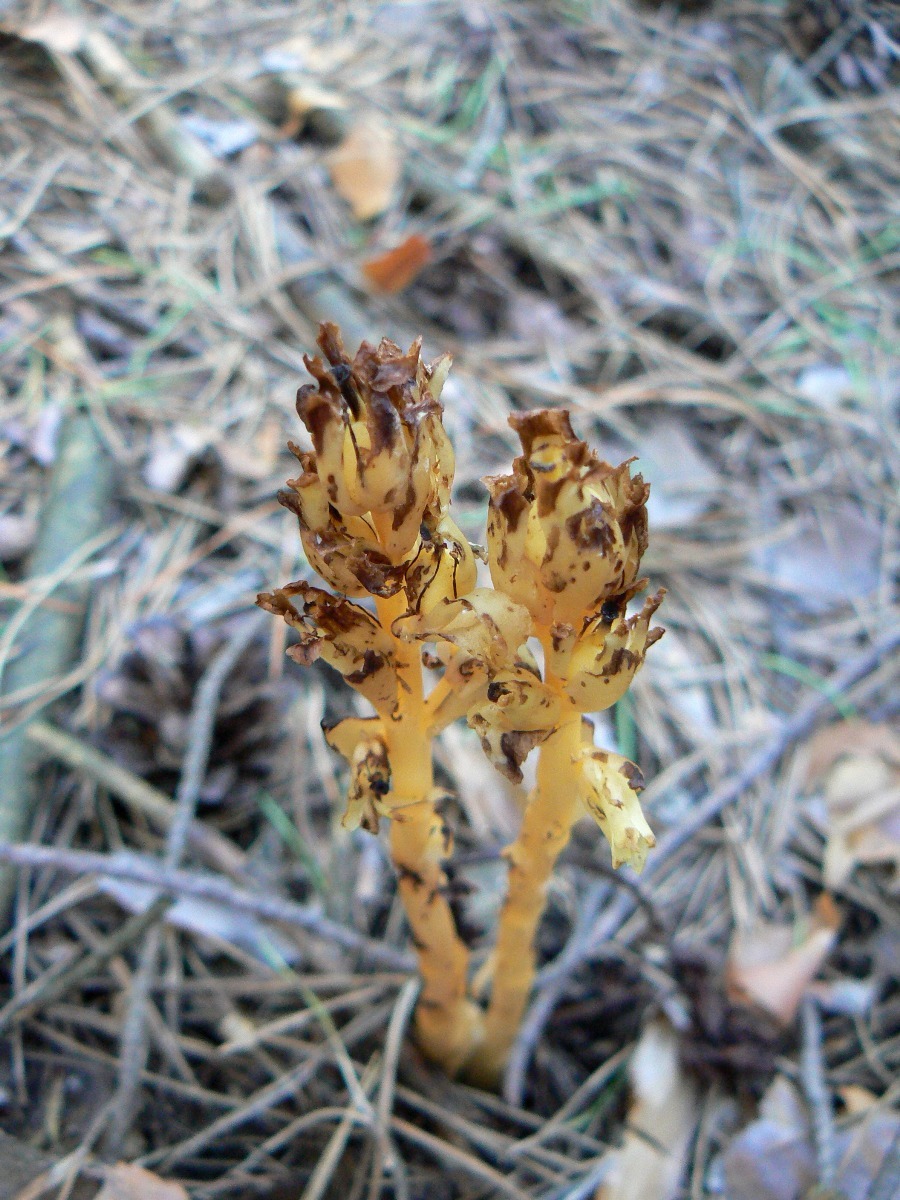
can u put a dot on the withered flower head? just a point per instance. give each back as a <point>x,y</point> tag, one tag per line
<point>341,634</point>
<point>566,531</point>
<point>380,452</point>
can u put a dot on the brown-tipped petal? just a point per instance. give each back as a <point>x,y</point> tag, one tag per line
<point>376,456</point>
<point>516,700</point>
<point>605,658</point>
<point>517,713</point>
<point>436,373</point>
<point>608,787</point>
<point>343,635</point>
<point>307,496</point>
<point>542,427</point>
<point>485,625</point>
<point>323,411</point>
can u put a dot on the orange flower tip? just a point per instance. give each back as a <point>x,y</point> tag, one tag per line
<point>396,269</point>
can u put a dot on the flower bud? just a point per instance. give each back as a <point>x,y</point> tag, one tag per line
<point>608,787</point>
<point>369,783</point>
<point>566,531</point>
<point>443,568</point>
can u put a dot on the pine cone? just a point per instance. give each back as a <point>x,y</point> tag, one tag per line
<point>150,693</point>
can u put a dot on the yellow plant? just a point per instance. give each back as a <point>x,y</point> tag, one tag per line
<point>566,532</point>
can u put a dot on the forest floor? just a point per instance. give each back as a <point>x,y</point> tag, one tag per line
<point>677,225</point>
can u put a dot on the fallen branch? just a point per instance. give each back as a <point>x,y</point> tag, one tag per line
<point>206,887</point>
<point>74,515</point>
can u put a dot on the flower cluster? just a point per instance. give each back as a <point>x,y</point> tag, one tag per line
<point>566,533</point>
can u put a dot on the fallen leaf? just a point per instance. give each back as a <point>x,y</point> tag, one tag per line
<point>765,967</point>
<point>396,269</point>
<point>365,167</point>
<point>860,765</point>
<point>651,1161</point>
<point>855,736</point>
<point>125,1181</point>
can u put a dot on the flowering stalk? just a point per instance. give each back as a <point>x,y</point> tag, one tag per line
<point>371,502</point>
<point>565,537</point>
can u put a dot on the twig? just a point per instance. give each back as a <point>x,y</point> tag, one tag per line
<point>73,518</point>
<point>56,982</point>
<point>387,1160</point>
<point>554,979</point>
<point>267,1097</point>
<point>337,1143</point>
<point>455,1157</point>
<point>200,733</point>
<point>207,887</point>
<point>812,1074</point>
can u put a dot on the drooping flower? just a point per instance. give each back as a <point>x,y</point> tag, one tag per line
<point>608,788</point>
<point>361,741</point>
<point>518,712</point>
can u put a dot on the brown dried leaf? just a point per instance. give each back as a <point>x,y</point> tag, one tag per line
<point>395,270</point>
<point>365,167</point>
<point>766,968</point>
<point>860,764</point>
<point>850,737</point>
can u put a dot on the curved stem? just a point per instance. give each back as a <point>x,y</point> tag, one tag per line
<point>447,1021</point>
<point>553,808</point>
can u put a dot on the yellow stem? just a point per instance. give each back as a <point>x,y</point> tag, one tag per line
<point>553,808</point>
<point>447,1022</point>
